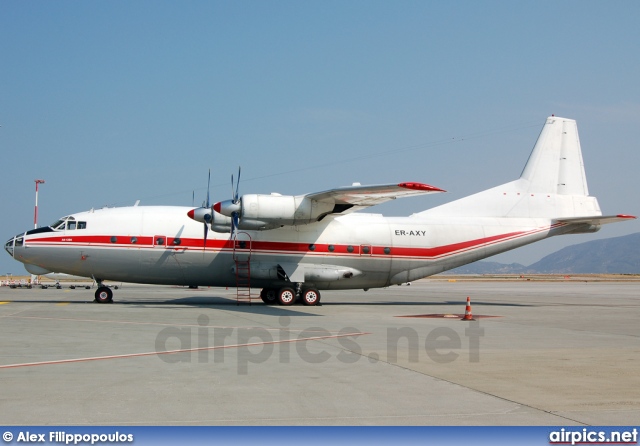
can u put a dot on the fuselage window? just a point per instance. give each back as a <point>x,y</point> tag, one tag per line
<point>114,239</point>
<point>71,225</point>
<point>134,240</point>
<point>82,225</point>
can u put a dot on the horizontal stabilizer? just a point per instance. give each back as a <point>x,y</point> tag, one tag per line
<point>596,220</point>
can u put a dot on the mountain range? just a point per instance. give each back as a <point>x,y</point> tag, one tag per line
<point>617,255</point>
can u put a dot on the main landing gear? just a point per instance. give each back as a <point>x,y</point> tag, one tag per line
<point>288,295</point>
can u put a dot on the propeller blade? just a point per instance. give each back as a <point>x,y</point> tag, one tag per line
<point>208,186</point>
<point>235,220</point>
<point>232,188</point>
<point>207,220</point>
<point>235,197</point>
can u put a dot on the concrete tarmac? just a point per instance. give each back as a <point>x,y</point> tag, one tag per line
<point>556,353</point>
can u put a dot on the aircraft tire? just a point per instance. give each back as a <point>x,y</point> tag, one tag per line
<point>310,296</point>
<point>269,296</point>
<point>286,296</point>
<point>104,295</point>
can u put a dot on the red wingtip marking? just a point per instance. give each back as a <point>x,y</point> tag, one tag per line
<point>421,186</point>
<point>191,213</point>
<point>625,216</point>
<point>216,207</point>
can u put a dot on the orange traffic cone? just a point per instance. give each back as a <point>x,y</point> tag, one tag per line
<point>467,312</point>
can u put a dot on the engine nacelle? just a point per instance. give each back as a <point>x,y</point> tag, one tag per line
<point>261,212</point>
<point>218,222</point>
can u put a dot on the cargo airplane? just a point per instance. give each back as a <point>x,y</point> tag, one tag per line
<point>294,246</point>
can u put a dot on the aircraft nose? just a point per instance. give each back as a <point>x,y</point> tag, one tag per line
<point>14,242</point>
<point>9,246</point>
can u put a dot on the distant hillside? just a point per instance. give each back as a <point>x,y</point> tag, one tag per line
<point>484,267</point>
<point>618,255</point>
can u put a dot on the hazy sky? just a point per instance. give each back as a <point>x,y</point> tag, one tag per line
<point>112,102</point>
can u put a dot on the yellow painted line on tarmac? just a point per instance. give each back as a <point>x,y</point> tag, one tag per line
<point>2,303</point>
<point>60,304</point>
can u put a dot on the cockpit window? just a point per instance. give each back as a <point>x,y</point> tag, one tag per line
<point>68,223</point>
<point>58,225</point>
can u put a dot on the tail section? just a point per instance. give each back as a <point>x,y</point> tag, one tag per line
<point>555,165</point>
<point>552,185</point>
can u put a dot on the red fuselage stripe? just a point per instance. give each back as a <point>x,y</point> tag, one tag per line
<point>106,241</point>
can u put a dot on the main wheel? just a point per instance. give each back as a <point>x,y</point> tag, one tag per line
<point>104,295</point>
<point>269,296</point>
<point>286,296</point>
<point>310,296</point>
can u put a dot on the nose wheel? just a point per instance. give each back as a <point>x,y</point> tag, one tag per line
<point>104,295</point>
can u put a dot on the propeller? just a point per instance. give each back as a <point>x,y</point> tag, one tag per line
<point>204,213</point>
<point>207,220</point>
<point>235,218</point>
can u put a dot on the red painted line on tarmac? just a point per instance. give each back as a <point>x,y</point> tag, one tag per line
<point>171,352</point>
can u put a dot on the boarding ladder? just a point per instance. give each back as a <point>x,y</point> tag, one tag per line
<point>242,259</point>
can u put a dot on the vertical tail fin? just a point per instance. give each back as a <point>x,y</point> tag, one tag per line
<point>555,165</point>
<point>552,185</point>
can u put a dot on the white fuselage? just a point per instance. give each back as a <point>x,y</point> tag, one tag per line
<point>161,245</point>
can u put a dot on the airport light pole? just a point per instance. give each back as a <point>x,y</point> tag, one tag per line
<point>36,279</point>
<point>35,214</point>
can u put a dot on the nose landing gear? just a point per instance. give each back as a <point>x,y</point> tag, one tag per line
<point>104,295</point>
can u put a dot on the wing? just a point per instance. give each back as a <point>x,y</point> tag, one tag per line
<point>598,220</point>
<point>352,198</point>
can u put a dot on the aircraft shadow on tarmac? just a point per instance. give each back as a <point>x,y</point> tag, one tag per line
<point>230,304</point>
<point>195,302</point>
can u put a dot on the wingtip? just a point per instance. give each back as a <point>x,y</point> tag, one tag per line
<point>421,187</point>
